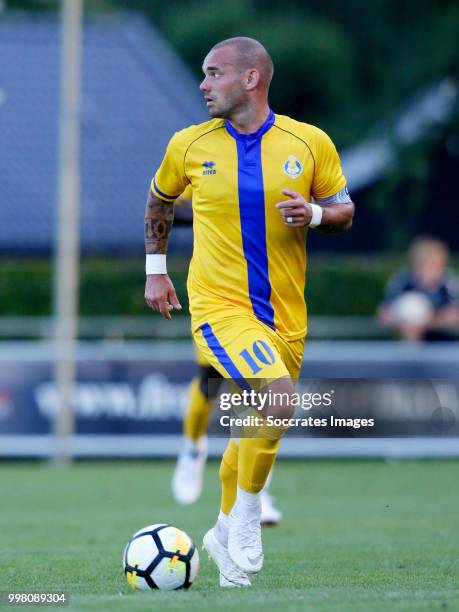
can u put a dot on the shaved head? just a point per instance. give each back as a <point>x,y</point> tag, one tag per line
<point>237,74</point>
<point>250,54</point>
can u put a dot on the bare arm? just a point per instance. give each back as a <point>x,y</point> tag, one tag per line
<point>159,216</point>
<point>385,316</point>
<point>445,317</point>
<point>336,216</point>
<point>159,291</point>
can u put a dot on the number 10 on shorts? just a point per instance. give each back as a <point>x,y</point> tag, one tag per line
<point>260,355</point>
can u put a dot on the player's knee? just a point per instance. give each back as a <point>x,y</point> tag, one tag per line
<point>209,381</point>
<point>280,398</point>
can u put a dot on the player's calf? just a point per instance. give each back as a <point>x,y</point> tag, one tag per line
<point>278,403</point>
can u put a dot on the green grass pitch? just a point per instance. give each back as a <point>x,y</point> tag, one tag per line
<point>356,535</point>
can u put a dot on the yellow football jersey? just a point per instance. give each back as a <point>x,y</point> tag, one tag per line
<point>188,193</point>
<point>244,256</point>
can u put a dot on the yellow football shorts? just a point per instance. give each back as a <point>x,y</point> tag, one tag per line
<point>242,347</point>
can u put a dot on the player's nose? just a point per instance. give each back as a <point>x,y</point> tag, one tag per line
<point>204,86</point>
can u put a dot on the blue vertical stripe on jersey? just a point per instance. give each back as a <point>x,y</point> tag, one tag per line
<point>253,222</point>
<point>217,349</point>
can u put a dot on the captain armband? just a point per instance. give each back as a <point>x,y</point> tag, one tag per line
<point>341,197</point>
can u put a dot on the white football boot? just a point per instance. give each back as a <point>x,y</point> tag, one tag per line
<point>270,515</point>
<point>244,532</point>
<point>189,471</point>
<point>214,542</point>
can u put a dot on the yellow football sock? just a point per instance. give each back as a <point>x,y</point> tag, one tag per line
<point>228,476</point>
<point>197,412</point>
<point>256,459</point>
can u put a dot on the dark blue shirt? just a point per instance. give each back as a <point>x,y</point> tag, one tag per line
<point>444,294</point>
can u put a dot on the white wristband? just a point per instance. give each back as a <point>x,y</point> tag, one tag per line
<point>316,218</point>
<point>155,264</point>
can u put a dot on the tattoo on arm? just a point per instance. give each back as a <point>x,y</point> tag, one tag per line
<point>159,216</point>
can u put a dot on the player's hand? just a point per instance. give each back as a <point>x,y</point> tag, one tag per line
<point>295,212</point>
<point>160,294</point>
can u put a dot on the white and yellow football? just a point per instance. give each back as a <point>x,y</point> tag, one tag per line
<point>412,307</point>
<point>160,557</point>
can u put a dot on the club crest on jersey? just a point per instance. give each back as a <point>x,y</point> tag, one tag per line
<point>209,167</point>
<point>292,167</point>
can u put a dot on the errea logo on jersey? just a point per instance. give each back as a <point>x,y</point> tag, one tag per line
<point>292,167</point>
<point>209,167</point>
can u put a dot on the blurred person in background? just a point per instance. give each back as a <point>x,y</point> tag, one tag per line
<point>187,481</point>
<point>421,302</point>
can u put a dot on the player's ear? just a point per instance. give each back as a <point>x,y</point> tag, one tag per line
<point>252,78</point>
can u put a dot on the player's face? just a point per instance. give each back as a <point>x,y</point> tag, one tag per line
<point>223,84</point>
<point>430,268</point>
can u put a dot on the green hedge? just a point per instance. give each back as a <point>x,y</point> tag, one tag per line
<point>347,286</point>
<point>340,286</point>
<point>25,287</point>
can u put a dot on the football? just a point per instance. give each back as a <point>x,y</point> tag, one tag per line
<point>160,557</point>
<point>412,307</point>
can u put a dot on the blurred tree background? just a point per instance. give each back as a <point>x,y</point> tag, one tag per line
<point>340,64</point>
<point>346,66</point>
